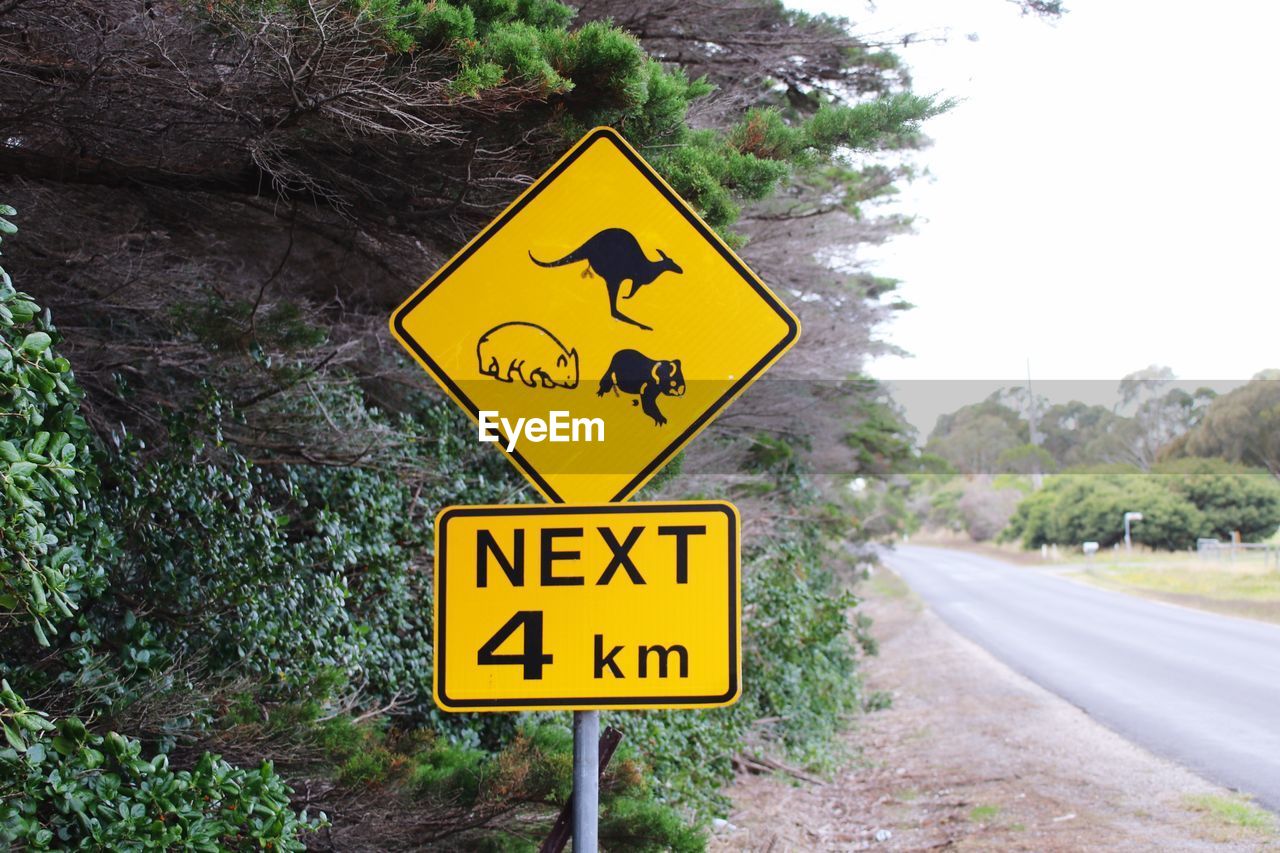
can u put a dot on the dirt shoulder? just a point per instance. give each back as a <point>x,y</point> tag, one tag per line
<point>972,756</point>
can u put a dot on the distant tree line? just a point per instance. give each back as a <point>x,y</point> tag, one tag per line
<point>1195,463</point>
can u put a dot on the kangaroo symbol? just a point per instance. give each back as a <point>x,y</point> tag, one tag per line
<point>615,255</point>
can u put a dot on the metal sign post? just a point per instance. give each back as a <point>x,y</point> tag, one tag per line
<point>562,829</point>
<point>586,780</point>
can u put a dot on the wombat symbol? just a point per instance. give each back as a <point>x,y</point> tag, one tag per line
<point>615,255</point>
<point>528,351</point>
<point>632,372</point>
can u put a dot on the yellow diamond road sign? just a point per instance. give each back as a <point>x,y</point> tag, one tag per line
<point>596,326</point>
<point>625,605</point>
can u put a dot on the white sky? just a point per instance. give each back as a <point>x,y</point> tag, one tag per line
<point>1103,198</point>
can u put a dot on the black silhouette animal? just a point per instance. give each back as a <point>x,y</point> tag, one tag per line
<point>529,351</point>
<point>615,255</point>
<point>633,372</point>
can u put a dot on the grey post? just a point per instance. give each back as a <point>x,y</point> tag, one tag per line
<point>586,780</point>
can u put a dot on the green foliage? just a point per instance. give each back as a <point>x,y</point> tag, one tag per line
<point>689,754</point>
<point>290,576</point>
<point>1242,426</point>
<point>66,788</point>
<point>1026,459</point>
<point>62,786</point>
<point>42,444</point>
<point>887,464</point>
<point>1231,497</point>
<point>1075,508</point>
<point>1077,433</point>
<point>640,824</point>
<point>881,439</point>
<point>407,25</point>
<point>224,324</point>
<point>973,438</point>
<point>1180,502</point>
<point>887,122</point>
<point>1235,810</point>
<point>714,171</point>
<point>450,772</point>
<point>597,74</point>
<point>418,766</point>
<point>993,436</point>
<point>801,652</point>
<point>309,581</point>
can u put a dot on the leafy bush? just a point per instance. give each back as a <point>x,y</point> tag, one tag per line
<point>289,576</point>
<point>1180,501</point>
<point>66,788</point>
<point>801,648</point>
<point>62,786</point>
<point>1231,497</point>
<point>42,440</point>
<point>1075,508</point>
<point>478,798</point>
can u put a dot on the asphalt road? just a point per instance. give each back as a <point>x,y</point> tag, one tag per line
<point>1198,688</point>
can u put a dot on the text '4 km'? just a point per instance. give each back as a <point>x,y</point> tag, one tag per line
<point>621,605</point>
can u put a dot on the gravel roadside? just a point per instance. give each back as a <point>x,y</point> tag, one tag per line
<point>972,756</point>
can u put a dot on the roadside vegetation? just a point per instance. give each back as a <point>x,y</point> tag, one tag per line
<point>1244,584</point>
<point>1235,814</point>
<point>1195,465</point>
<point>985,472</point>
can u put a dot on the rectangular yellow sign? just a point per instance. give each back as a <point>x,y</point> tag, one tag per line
<point>634,605</point>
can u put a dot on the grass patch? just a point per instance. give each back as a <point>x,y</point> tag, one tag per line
<point>1234,811</point>
<point>1212,580</point>
<point>983,814</point>
<point>1245,588</point>
<point>885,584</point>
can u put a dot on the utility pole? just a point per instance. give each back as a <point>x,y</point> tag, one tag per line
<point>1037,477</point>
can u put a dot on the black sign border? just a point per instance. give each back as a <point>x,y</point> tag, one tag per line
<point>664,456</point>
<point>441,578</point>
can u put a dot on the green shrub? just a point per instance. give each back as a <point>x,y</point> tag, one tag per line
<point>43,448</point>
<point>308,581</point>
<point>800,646</point>
<point>450,772</point>
<point>66,788</point>
<point>61,785</point>
<point>628,823</point>
<point>1231,497</point>
<point>303,577</point>
<point>1076,508</point>
<point>1180,501</point>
